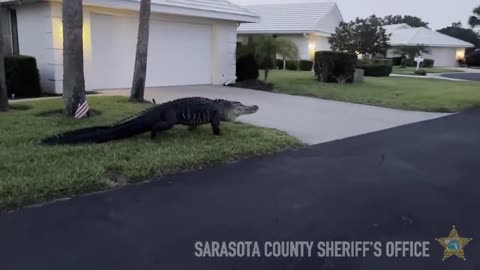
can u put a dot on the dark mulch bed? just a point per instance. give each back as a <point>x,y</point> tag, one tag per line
<point>253,84</point>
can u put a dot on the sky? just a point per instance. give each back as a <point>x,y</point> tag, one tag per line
<point>439,13</point>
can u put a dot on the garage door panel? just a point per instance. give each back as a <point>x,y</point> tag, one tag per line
<point>179,53</point>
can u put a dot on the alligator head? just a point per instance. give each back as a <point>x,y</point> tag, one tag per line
<point>233,109</point>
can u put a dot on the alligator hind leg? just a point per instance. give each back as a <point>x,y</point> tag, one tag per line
<point>216,124</point>
<point>159,127</point>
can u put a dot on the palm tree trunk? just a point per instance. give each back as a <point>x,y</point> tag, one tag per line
<point>267,70</point>
<point>3,87</point>
<point>73,76</point>
<point>140,72</point>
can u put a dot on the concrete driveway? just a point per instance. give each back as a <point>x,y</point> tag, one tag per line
<point>312,120</point>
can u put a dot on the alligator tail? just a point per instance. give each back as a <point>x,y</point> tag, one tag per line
<point>98,134</point>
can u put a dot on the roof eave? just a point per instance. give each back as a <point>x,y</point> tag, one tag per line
<point>292,32</point>
<point>435,45</point>
<point>165,9</point>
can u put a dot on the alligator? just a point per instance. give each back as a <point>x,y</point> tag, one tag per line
<point>191,112</point>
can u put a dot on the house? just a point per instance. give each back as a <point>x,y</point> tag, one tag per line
<point>445,50</point>
<point>309,25</point>
<point>191,41</point>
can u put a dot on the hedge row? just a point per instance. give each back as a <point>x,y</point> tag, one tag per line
<point>406,62</point>
<point>376,70</point>
<point>303,65</point>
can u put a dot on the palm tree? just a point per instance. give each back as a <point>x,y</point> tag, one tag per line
<point>140,71</point>
<point>73,76</point>
<point>3,87</point>
<point>475,19</point>
<point>266,47</point>
<point>412,51</point>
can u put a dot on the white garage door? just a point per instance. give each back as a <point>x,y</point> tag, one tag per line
<point>179,53</point>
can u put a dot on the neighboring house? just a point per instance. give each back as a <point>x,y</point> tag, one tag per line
<point>445,50</point>
<point>309,25</point>
<point>191,41</point>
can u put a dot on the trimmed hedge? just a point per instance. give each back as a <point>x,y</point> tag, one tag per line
<point>291,65</point>
<point>376,70</point>
<point>22,76</point>
<point>305,65</point>
<point>375,67</point>
<point>246,67</point>
<point>332,66</point>
<point>279,64</point>
<point>428,63</point>
<point>397,61</point>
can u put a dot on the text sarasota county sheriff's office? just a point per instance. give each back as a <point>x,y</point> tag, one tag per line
<point>307,249</point>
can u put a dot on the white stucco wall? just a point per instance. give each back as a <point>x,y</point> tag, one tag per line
<point>444,57</point>
<point>35,38</point>
<point>224,45</point>
<point>40,35</point>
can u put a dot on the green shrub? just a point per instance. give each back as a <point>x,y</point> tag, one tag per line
<point>408,63</point>
<point>332,66</point>
<point>246,68</point>
<point>22,76</point>
<point>279,64</point>
<point>291,65</point>
<point>305,65</point>
<point>374,61</point>
<point>428,63</point>
<point>411,63</point>
<point>376,70</point>
<point>397,61</point>
<point>421,72</point>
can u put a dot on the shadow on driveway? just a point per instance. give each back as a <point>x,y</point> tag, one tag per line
<point>408,183</point>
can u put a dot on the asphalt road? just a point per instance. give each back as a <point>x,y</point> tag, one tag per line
<point>410,183</point>
<point>463,76</point>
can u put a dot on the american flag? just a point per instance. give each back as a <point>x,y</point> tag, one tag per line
<point>83,109</point>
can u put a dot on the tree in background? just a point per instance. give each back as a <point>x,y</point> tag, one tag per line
<point>474,20</point>
<point>465,34</point>
<point>265,49</point>
<point>73,76</point>
<point>140,71</point>
<point>3,86</point>
<point>413,21</point>
<point>363,36</point>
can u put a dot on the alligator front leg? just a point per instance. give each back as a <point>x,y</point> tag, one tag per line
<point>159,127</point>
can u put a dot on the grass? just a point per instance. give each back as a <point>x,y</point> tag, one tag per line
<point>411,70</point>
<point>394,92</point>
<point>33,173</point>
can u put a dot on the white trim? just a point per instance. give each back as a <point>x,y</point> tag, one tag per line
<point>242,15</point>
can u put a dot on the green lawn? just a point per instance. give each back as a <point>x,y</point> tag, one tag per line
<point>411,70</point>
<point>393,92</point>
<point>33,173</point>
